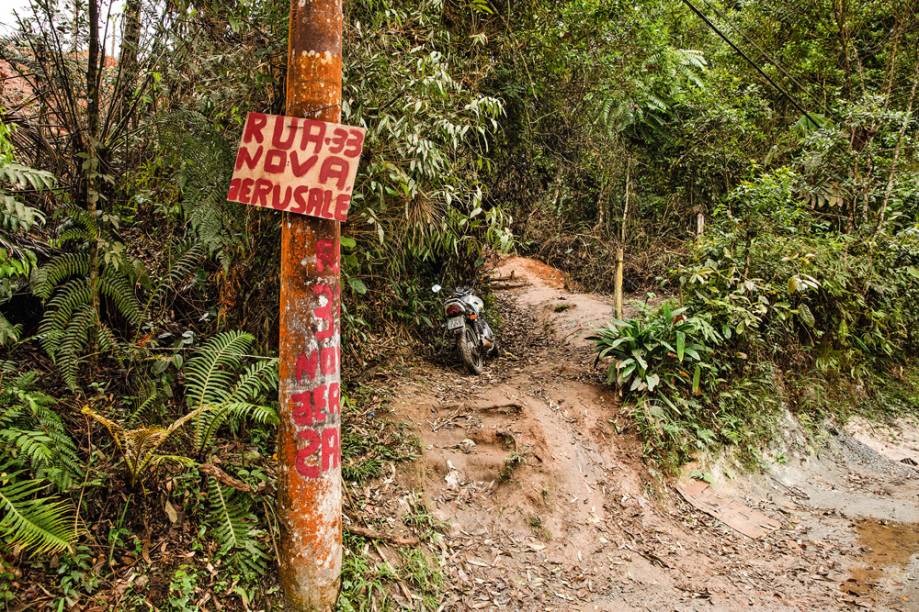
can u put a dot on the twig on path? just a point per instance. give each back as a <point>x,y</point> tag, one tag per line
<point>212,470</point>
<point>366,532</point>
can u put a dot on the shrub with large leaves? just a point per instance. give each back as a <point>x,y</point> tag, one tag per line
<point>664,345</point>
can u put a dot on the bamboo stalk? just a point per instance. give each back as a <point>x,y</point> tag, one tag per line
<point>620,252</point>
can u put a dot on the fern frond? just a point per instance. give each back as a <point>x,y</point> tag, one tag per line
<point>235,527</point>
<point>35,445</point>
<point>60,310</point>
<point>24,177</point>
<point>80,227</point>
<point>117,288</point>
<point>64,467</point>
<point>180,460</point>
<point>209,374</point>
<point>209,423</point>
<point>106,338</point>
<point>60,268</point>
<point>183,267</point>
<point>9,333</point>
<point>74,340</point>
<point>9,414</point>
<point>18,217</point>
<point>40,524</point>
<point>140,446</point>
<point>152,397</point>
<point>257,379</point>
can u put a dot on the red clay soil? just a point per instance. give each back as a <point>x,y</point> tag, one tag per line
<point>545,503</point>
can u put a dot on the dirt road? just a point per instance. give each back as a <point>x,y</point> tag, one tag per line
<point>546,504</point>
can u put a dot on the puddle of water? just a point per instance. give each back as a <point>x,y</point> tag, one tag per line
<point>887,544</point>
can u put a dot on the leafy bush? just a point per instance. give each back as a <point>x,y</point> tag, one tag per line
<point>663,346</point>
<point>772,288</point>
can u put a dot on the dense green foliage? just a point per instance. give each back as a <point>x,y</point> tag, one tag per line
<point>564,130</point>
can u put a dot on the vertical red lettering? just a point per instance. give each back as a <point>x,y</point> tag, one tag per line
<point>328,360</point>
<point>334,168</point>
<point>302,409</point>
<point>279,124</point>
<point>324,311</point>
<point>313,132</point>
<point>306,366</point>
<point>254,124</point>
<point>275,161</point>
<point>319,403</point>
<point>331,448</point>
<point>334,405</point>
<point>244,157</point>
<point>313,444</point>
<point>327,256</point>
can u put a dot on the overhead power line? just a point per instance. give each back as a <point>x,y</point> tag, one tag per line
<point>762,51</point>
<point>755,66</point>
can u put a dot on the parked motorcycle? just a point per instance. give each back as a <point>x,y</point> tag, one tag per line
<point>473,336</point>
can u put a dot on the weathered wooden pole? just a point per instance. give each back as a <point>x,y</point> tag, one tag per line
<point>309,480</point>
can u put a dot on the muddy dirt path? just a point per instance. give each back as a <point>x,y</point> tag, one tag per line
<point>546,504</point>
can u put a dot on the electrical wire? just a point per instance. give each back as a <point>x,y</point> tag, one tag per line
<point>755,66</point>
<point>768,57</point>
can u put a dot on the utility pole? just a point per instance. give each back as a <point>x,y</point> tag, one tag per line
<point>309,480</point>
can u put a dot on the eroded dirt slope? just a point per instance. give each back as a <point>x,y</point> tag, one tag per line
<point>546,504</point>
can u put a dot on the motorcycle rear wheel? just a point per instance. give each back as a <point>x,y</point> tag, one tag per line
<point>468,347</point>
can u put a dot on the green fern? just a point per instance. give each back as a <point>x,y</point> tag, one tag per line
<point>216,377</point>
<point>179,270</point>
<point>32,434</point>
<point>38,453</point>
<point>236,528</point>
<point>16,216</point>
<point>41,524</point>
<point>70,324</point>
<point>62,267</point>
<point>24,177</point>
<point>9,332</point>
<point>202,157</point>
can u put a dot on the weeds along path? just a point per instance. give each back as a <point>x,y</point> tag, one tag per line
<point>530,474</point>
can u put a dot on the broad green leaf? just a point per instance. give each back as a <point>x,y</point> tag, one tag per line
<point>357,285</point>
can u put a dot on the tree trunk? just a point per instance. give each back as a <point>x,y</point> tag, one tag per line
<point>91,164</point>
<point>127,58</point>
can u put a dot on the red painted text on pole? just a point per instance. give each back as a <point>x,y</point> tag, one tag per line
<point>315,401</point>
<point>298,165</point>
